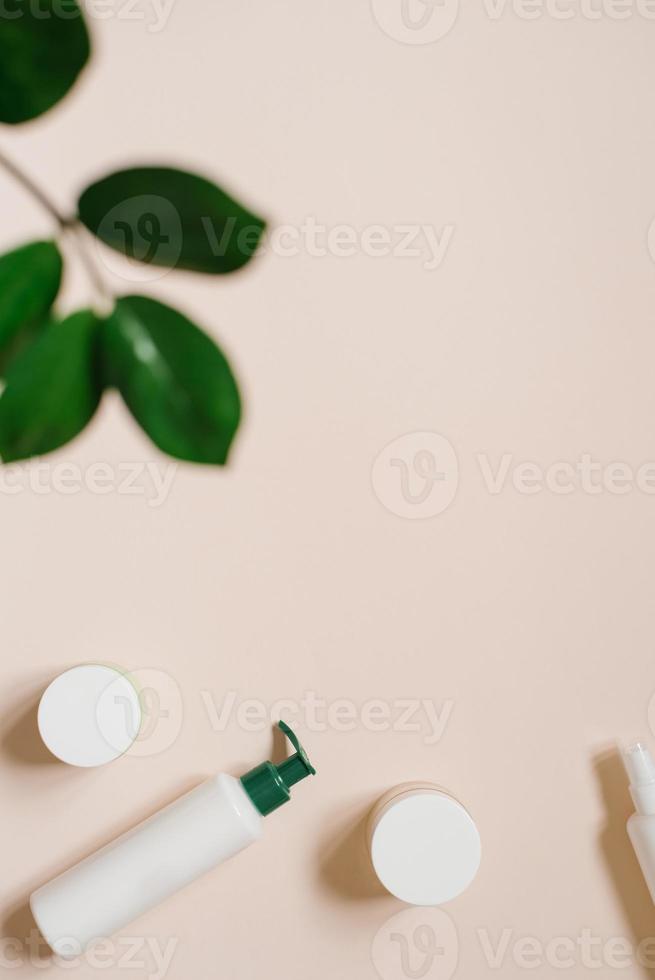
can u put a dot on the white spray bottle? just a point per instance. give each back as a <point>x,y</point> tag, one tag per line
<point>106,891</point>
<point>640,767</point>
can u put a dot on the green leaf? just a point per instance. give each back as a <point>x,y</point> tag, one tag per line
<point>171,218</point>
<point>174,379</point>
<point>43,47</point>
<point>51,390</point>
<point>30,277</point>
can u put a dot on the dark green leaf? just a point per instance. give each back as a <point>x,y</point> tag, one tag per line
<point>51,390</point>
<point>29,282</point>
<point>43,47</point>
<point>174,379</point>
<point>171,218</point>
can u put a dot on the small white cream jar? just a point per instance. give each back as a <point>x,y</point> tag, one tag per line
<point>424,845</point>
<point>89,715</point>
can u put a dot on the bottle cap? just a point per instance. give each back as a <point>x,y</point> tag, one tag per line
<point>268,786</point>
<point>89,715</point>
<point>425,847</point>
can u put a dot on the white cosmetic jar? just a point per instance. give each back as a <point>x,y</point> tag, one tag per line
<point>89,715</point>
<point>424,845</point>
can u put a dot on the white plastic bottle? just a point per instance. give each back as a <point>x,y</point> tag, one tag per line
<point>640,767</point>
<point>106,891</point>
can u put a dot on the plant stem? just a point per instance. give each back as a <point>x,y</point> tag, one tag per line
<point>66,225</point>
<point>34,190</point>
<point>76,236</point>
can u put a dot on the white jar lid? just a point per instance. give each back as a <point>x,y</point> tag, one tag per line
<point>425,847</point>
<point>89,715</point>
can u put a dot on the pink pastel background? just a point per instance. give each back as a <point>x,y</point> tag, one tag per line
<point>529,615</point>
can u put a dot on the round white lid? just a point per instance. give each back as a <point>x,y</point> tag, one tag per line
<point>425,847</point>
<point>89,715</point>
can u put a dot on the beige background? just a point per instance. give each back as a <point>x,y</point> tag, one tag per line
<point>528,616</point>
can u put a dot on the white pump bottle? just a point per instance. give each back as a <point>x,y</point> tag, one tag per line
<point>107,890</point>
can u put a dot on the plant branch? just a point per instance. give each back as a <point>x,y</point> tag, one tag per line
<point>34,190</point>
<point>66,225</point>
<point>76,236</point>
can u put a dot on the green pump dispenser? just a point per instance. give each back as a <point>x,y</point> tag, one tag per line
<point>268,786</point>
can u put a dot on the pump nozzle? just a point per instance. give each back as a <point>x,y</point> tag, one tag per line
<point>268,786</point>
